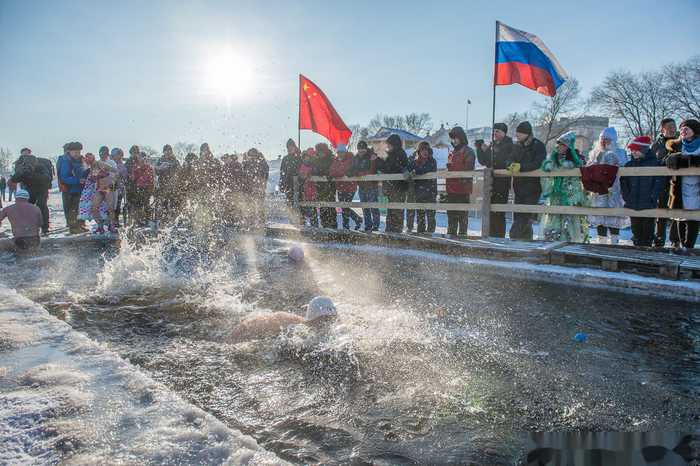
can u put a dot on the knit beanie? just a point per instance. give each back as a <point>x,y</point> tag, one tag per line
<point>501,126</point>
<point>524,128</point>
<point>640,144</point>
<point>395,141</point>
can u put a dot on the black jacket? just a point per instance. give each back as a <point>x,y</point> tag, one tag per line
<point>502,157</point>
<point>659,147</point>
<point>530,156</point>
<point>424,188</point>
<point>322,165</point>
<point>395,162</point>
<point>289,168</point>
<point>642,192</point>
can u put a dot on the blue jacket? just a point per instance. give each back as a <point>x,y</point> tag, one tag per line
<point>642,192</point>
<point>424,188</point>
<point>70,172</point>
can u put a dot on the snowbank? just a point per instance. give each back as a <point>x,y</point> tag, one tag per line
<point>64,398</point>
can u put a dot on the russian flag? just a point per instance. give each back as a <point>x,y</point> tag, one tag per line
<point>522,58</point>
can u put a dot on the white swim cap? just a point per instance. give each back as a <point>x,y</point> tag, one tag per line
<point>320,306</point>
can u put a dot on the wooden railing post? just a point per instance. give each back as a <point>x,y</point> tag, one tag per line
<point>486,203</point>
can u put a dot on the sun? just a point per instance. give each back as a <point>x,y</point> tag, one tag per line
<point>228,73</point>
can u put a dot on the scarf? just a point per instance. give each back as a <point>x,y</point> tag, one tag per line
<point>691,147</point>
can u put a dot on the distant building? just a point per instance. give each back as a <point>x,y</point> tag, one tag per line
<point>482,132</point>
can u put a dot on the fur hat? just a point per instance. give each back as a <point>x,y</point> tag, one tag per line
<point>568,139</point>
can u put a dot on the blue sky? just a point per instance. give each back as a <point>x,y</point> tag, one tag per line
<point>140,72</point>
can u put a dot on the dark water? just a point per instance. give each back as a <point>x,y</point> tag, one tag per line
<point>431,362</point>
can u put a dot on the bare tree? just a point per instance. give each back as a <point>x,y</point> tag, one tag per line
<point>358,133</point>
<point>682,84</point>
<point>512,120</point>
<point>6,159</point>
<point>416,123</point>
<point>554,116</point>
<point>639,101</point>
<point>181,149</point>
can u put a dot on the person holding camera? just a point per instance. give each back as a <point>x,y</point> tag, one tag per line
<point>497,155</point>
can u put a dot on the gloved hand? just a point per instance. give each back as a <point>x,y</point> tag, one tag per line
<point>514,168</point>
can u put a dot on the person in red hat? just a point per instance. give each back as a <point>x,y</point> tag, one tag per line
<point>642,192</point>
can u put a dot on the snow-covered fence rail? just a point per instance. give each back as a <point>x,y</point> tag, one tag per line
<point>485,205</point>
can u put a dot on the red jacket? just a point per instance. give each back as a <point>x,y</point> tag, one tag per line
<point>460,159</point>
<point>341,167</point>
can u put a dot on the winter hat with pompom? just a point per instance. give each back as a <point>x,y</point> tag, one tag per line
<point>640,144</point>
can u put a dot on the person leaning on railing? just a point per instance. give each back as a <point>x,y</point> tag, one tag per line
<point>396,162</point>
<point>668,133</point>
<point>425,191</point>
<point>642,192</point>
<point>564,191</point>
<point>365,163</point>
<point>529,155</point>
<point>326,190</point>
<point>499,156</point>
<point>342,167</point>
<point>461,158</point>
<point>685,190</point>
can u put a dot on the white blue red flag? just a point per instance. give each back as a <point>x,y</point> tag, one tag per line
<point>522,58</point>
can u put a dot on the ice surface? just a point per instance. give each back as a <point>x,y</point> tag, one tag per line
<point>64,398</point>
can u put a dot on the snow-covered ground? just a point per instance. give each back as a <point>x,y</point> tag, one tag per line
<point>65,399</point>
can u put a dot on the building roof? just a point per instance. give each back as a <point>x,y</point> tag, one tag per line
<point>384,133</point>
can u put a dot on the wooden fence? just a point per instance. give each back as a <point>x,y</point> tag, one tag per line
<point>485,206</point>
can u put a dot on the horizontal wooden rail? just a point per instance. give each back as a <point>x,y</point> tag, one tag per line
<point>519,208</point>
<point>575,172</point>
<point>613,212</point>
<point>393,205</point>
<point>622,171</point>
<point>401,177</point>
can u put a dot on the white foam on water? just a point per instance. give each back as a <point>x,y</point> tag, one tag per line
<point>64,398</point>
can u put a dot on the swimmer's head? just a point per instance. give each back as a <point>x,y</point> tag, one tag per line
<point>321,308</point>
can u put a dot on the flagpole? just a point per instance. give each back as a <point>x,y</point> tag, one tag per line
<point>495,78</point>
<point>299,116</point>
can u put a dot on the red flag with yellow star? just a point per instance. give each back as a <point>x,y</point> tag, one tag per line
<point>317,114</point>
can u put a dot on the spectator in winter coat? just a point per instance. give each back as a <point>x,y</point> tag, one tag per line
<point>289,168</point>
<point>121,179</point>
<point>208,174</point>
<point>422,163</point>
<point>642,192</point>
<point>143,181</point>
<point>256,172</point>
<point>685,190</point>
<point>668,133</point>
<point>25,220</point>
<point>232,189</point>
<point>70,181</point>
<point>325,190</point>
<point>3,187</point>
<point>35,175</point>
<point>396,162</point>
<point>606,152</point>
<point>528,155</point>
<point>167,169</point>
<point>307,169</point>
<point>366,164</point>
<point>564,191</point>
<point>342,166</point>
<point>499,156</point>
<point>461,158</point>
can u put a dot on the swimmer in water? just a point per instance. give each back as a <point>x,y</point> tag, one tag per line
<point>320,313</point>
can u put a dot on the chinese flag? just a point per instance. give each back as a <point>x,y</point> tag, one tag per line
<point>317,114</point>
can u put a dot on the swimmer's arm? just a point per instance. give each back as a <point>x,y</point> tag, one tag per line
<point>262,326</point>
